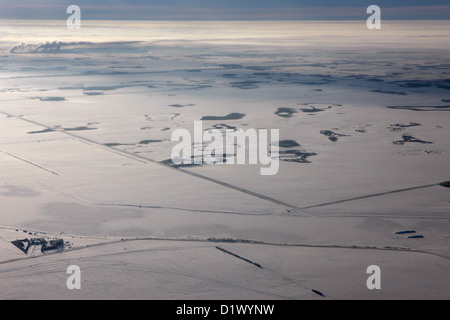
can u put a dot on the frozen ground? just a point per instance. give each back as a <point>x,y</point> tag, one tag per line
<point>86,119</point>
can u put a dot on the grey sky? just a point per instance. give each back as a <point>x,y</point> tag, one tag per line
<point>225,9</point>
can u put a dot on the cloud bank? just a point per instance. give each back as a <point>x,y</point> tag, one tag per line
<point>43,47</point>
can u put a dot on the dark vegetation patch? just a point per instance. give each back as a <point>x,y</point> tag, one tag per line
<point>289,144</point>
<point>407,138</point>
<point>42,131</point>
<point>181,105</point>
<point>146,142</point>
<point>313,107</point>
<point>332,136</point>
<point>169,162</point>
<point>285,112</point>
<point>297,156</point>
<point>116,144</point>
<point>222,126</point>
<point>231,116</point>
<point>312,110</point>
<point>79,129</point>
<point>399,126</point>
<point>411,124</point>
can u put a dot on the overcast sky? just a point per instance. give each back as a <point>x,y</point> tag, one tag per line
<point>224,9</point>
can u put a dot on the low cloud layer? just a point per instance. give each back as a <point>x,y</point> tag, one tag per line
<point>44,47</point>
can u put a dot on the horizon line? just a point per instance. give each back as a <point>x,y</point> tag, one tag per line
<point>231,20</point>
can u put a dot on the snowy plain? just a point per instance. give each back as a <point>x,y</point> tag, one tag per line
<point>86,118</point>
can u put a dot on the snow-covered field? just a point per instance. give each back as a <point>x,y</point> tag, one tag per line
<point>86,119</point>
